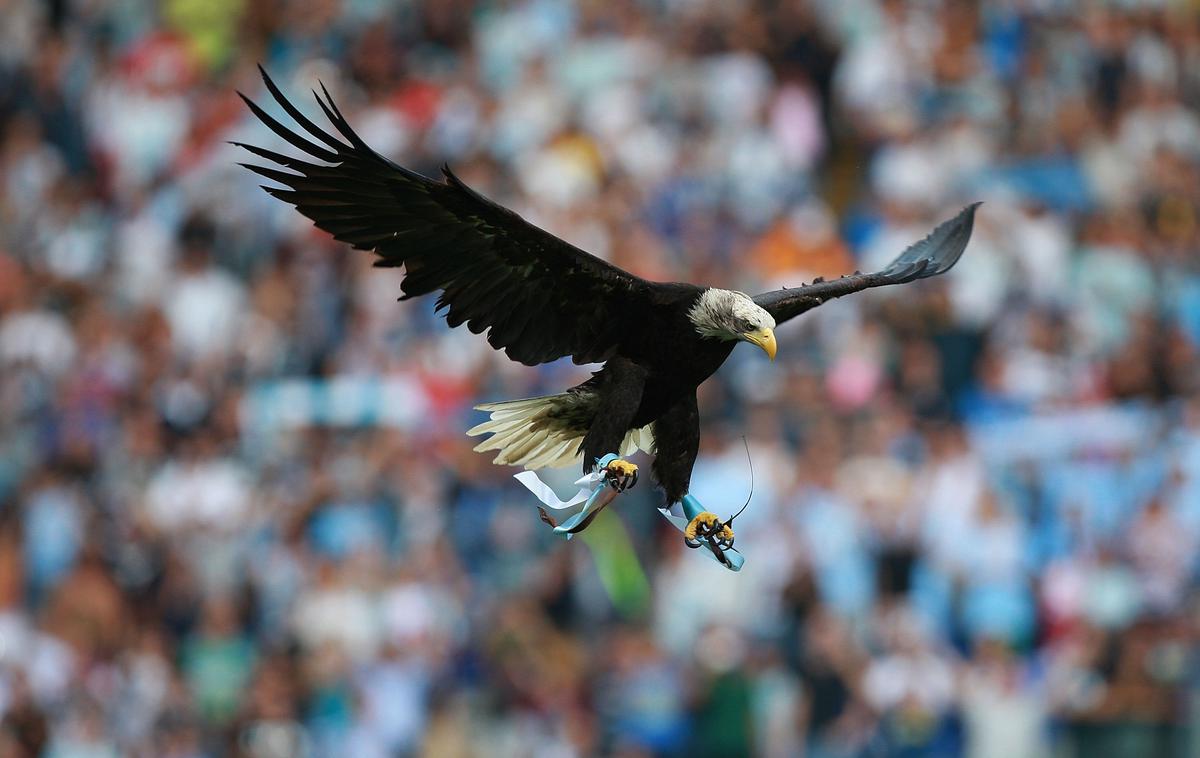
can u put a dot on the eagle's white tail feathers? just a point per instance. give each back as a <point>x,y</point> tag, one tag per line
<point>534,432</point>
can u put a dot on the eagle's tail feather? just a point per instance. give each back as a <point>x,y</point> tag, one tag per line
<point>540,432</point>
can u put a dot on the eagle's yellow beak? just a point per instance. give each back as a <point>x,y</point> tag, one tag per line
<point>764,338</point>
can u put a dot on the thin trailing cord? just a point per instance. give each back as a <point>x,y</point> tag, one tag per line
<point>750,462</point>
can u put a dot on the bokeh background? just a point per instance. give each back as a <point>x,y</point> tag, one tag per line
<point>239,516</point>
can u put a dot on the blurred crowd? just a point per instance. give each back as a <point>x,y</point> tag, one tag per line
<point>239,516</point>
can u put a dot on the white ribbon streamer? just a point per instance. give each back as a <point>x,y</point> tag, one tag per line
<point>546,494</point>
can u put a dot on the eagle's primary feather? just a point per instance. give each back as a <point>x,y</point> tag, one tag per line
<point>539,298</point>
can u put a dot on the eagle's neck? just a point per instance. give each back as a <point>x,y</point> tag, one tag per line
<point>710,313</point>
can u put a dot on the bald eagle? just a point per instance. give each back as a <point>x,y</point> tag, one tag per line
<point>539,299</point>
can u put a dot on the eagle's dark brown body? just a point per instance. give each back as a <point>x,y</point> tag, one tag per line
<point>539,298</point>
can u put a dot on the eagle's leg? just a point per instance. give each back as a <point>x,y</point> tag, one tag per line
<point>676,444</point>
<point>619,386</point>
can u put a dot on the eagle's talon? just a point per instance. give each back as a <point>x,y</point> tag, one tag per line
<point>621,474</point>
<point>708,526</point>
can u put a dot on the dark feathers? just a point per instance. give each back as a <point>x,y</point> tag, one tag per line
<point>936,254</point>
<point>538,297</point>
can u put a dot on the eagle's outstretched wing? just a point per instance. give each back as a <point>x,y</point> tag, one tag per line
<point>936,254</point>
<point>539,297</point>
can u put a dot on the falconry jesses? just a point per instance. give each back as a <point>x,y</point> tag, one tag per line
<point>540,299</point>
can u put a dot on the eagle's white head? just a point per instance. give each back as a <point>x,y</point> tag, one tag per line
<point>732,315</point>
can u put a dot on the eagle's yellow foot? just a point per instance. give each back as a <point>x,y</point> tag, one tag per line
<point>621,475</point>
<point>708,526</point>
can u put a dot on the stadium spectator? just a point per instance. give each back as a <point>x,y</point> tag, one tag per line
<point>238,515</point>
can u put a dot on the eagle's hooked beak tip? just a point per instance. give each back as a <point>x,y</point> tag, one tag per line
<point>764,338</point>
